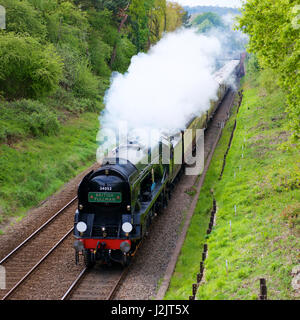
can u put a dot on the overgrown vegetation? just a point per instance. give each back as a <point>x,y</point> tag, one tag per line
<point>274,30</point>
<point>263,182</point>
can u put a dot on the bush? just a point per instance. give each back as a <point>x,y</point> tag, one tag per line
<point>22,17</point>
<point>26,117</point>
<point>86,85</point>
<point>68,25</point>
<point>27,68</point>
<point>252,64</point>
<point>125,51</point>
<point>70,60</point>
<point>100,54</point>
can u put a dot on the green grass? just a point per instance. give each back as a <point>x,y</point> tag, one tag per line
<point>33,169</point>
<point>264,186</point>
<point>188,263</point>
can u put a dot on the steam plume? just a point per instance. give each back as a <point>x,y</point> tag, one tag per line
<point>164,87</point>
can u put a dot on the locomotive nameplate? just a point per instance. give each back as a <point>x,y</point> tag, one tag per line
<point>105,197</point>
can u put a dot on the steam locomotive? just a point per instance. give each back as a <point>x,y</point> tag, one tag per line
<point>118,202</point>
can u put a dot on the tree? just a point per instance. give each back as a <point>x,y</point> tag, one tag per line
<point>157,21</point>
<point>21,17</point>
<point>207,21</point>
<point>275,40</point>
<point>28,69</point>
<point>174,16</point>
<point>138,21</point>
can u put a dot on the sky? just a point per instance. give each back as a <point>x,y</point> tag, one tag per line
<point>220,3</point>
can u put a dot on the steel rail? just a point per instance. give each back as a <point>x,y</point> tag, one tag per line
<point>117,284</point>
<point>38,230</point>
<point>115,287</point>
<point>74,284</point>
<point>37,264</point>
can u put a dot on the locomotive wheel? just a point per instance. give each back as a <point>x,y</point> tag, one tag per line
<point>89,258</point>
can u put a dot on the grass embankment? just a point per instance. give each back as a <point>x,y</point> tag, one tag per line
<point>262,180</point>
<point>34,168</point>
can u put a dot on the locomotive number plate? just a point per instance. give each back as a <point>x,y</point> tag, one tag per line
<point>105,197</point>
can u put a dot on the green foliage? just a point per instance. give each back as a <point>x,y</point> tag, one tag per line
<point>274,38</point>
<point>27,68</point>
<point>68,25</point>
<point>104,24</point>
<point>125,50</point>
<point>26,118</point>
<point>100,53</point>
<point>138,17</point>
<point>92,39</point>
<point>252,65</point>
<point>209,18</point>
<point>205,26</point>
<point>269,80</point>
<point>86,84</point>
<point>21,17</point>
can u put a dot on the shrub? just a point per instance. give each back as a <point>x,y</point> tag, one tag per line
<point>68,25</point>
<point>100,53</point>
<point>26,117</point>
<point>86,85</point>
<point>22,17</point>
<point>27,68</point>
<point>252,65</point>
<point>125,50</point>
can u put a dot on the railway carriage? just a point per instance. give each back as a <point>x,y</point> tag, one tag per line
<point>118,202</point>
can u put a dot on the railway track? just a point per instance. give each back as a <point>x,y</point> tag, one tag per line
<point>21,262</point>
<point>99,283</point>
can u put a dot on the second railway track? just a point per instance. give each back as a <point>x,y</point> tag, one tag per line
<point>26,257</point>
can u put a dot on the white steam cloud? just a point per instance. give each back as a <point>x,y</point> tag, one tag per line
<point>164,87</point>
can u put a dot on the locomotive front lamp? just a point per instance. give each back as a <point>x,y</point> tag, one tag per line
<point>81,226</point>
<point>80,207</point>
<point>128,208</point>
<point>127,227</point>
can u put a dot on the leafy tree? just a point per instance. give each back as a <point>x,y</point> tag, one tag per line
<point>125,50</point>
<point>138,20</point>
<point>274,38</point>
<point>174,16</point>
<point>157,21</point>
<point>27,68</point>
<point>86,85</point>
<point>213,18</point>
<point>68,25</point>
<point>21,17</point>
<point>100,54</point>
